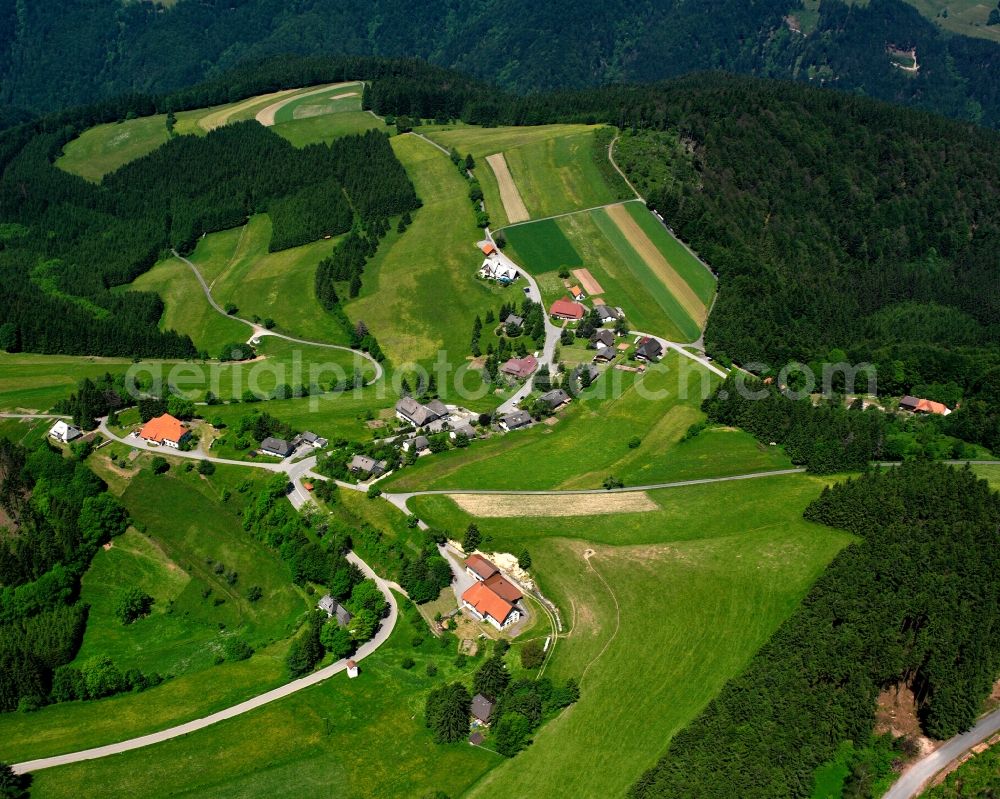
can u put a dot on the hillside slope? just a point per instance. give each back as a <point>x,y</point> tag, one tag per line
<point>63,53</point>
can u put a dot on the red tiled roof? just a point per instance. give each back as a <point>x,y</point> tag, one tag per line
<point>566,308</point>
<point>163,428</point>
<point>481,566</point>
<point>930,406</point>
<point>488,248</point>
<point>504,588</point>
<point>487,603</point>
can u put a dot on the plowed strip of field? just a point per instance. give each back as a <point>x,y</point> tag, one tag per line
<point>513,205</point>
<point>591,286</point>
<point>266,115</point>
<point>510,505</point>
<point>656,261</point>
<point>219,118</point>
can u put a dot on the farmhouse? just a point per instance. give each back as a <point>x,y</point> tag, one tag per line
<point>64,432</point>
<point>555,398</point>
<point>603,338</point>
<point>479,568</point>
<point>607,314</point>
<point>486,604</point>
<point>362,464</point>
<point>165,430</point>
<point>515,420</point>
<point>567,309</point>
<point>648,349</point>
<point>409,410</point>
<point>605,355</point>
<point>520,368</point>
<point>277,447</point>
<point>481,709</point>
<point>918,405</point>
<point>333,608</point>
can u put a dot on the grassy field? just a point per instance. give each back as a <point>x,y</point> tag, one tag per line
<point>343,738</point>
<point>552,166</point>
<point>990,473</point>
<point>668,605</point>
<point>591,441</point>
<point>339,99</point>
<point>324,129</point>
<point>420,293</point>
<point>187,531</point>
<point>967,17</point>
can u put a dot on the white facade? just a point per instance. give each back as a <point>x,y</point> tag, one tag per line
<point>512,617</point>
<point>64,432</point>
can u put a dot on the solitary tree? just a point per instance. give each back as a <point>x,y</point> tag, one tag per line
<point>133,604</point>
<point>492,678</point>
<point>472,538</point>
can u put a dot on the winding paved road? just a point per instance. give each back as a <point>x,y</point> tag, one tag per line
<point>260,331</point>
<point>917,775</point>
<point>236,710</point>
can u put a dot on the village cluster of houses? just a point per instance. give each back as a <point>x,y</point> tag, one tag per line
<point>492,597</point>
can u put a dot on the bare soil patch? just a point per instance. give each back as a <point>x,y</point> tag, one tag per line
<point>512,505</point>
<point>896,713</point>
<point>513,205</point>
<point>590,285</point>
<point>658,263</point>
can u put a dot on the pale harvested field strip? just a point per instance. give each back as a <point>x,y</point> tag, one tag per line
<point>266,115</point>
<point>509,195</point>
<point>658,263</point>
<point>512,505</point>
<point>590,285</point>
<point>219,118</point>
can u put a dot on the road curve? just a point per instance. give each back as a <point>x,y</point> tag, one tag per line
<point>236,710</point>
<point>916,776</point>
<point>259,330</point>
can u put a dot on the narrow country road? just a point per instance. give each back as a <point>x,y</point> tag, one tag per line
<point>679,348</point>
<point>911,783</point>
<point>260,331</point>
<point>288,689</point>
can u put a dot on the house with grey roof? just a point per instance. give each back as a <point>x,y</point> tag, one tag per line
<point>515,420</point>
<point>438,408</point>
<point>555,398</point>
<point>313,440</point>
<point>409,410</point>
<point>332,608</point>
<point>277,447</point>
<point>481,709</point>
<point>363,465</point>
<point>607,314</point>
<point>514,320</point>
<point>603,338</point>
<point>418,443</point>
<point>465,428</point>
<point>605,355</point>
<point>648,349</point>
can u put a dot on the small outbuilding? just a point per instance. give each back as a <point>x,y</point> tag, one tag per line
<point>352,669</point>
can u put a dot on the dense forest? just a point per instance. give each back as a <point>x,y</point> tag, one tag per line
<point>67,243</point>
<point>63,53</point>
<point>55,514</point>
<point>913,601</point>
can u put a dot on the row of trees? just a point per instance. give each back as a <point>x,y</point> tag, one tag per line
<point>912,602</point>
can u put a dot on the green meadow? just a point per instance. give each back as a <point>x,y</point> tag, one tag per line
<point>313,104</point>
<point>420,293</point>
<point>591,440</point>
<point>324,129</point>
<point>661,608</point>
<point>343,738</point>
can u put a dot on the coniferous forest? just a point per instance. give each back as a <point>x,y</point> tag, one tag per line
<point>913,601</point>
<point>68,242</point>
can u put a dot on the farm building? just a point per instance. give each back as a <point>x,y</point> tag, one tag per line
<point>479,568</point>
<point>520,368</point>
<point>918,405</point>
<point>481,710</point>
<point>607,314</point>
<point>409,410</point>
<point>577,294</point>
<point>165,430</point>
<point>603,338</point>
<point>605,355</point>
<point>515,420</point>
<point>648,349</point>
<point>277,447</point>
<point>362,464</point>
<point>555,398</point>
<point>64,432</point>
<point>486,604</point>
<point>567,309</point>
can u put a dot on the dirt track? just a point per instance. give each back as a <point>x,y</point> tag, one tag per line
<point>513,205</point>
<point>506,506</point>
<point>658,263</point>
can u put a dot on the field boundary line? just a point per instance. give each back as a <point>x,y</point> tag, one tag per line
<point>587,555</point>
<point>611,158</point>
